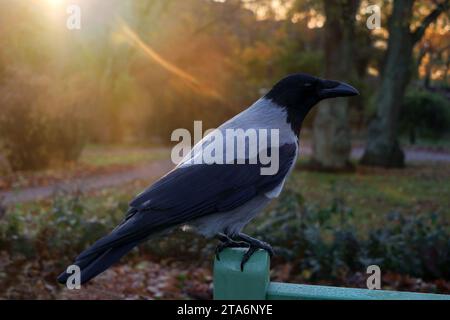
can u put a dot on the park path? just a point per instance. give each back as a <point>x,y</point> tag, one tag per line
<point>156,169</point>
<point>150,171</point>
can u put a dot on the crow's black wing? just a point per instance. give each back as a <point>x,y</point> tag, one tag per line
<point>190,192</point>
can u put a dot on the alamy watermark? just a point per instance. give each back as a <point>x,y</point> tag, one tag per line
<point>74,280</point>
<point>228,146</point>
<point>374,280</point>
<point>374,20</point>
<point>73,21</point>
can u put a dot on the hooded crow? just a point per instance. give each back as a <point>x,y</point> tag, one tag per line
<point>218,199</point>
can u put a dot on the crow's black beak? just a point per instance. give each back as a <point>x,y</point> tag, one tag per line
<point>334,89</point>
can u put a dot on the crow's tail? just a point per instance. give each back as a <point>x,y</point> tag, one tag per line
<point>109,249</point>
<point>99,263</point>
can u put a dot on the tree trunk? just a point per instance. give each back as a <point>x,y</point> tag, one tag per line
<point>383,148</point>
<point>427,77</point>
<point>331,132</point>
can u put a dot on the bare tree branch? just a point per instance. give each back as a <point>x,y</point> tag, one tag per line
<point>429,19</point>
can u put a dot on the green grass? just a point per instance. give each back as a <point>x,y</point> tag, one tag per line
<point>103,156</point>
<point>374,192</point>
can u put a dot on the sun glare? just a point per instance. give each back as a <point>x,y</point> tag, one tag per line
<point>55,3</point>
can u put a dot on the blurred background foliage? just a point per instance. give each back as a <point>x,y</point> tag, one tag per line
<point>104,100</point>
<point>425,114</point>
<point>209,60</point>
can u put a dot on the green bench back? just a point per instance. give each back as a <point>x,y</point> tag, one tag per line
<point>254,284</point>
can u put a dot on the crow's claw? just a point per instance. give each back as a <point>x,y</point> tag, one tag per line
<point>228,243</point>
<point>247,256</point>
<point>253,249</point>
<point>254,244</point>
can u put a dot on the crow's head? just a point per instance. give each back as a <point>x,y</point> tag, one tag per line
<point>301,91</point>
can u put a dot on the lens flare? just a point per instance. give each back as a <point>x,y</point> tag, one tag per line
<point>135,40</point>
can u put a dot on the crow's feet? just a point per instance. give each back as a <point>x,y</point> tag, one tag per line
<point>227,242</point>
<point>254,245</point>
